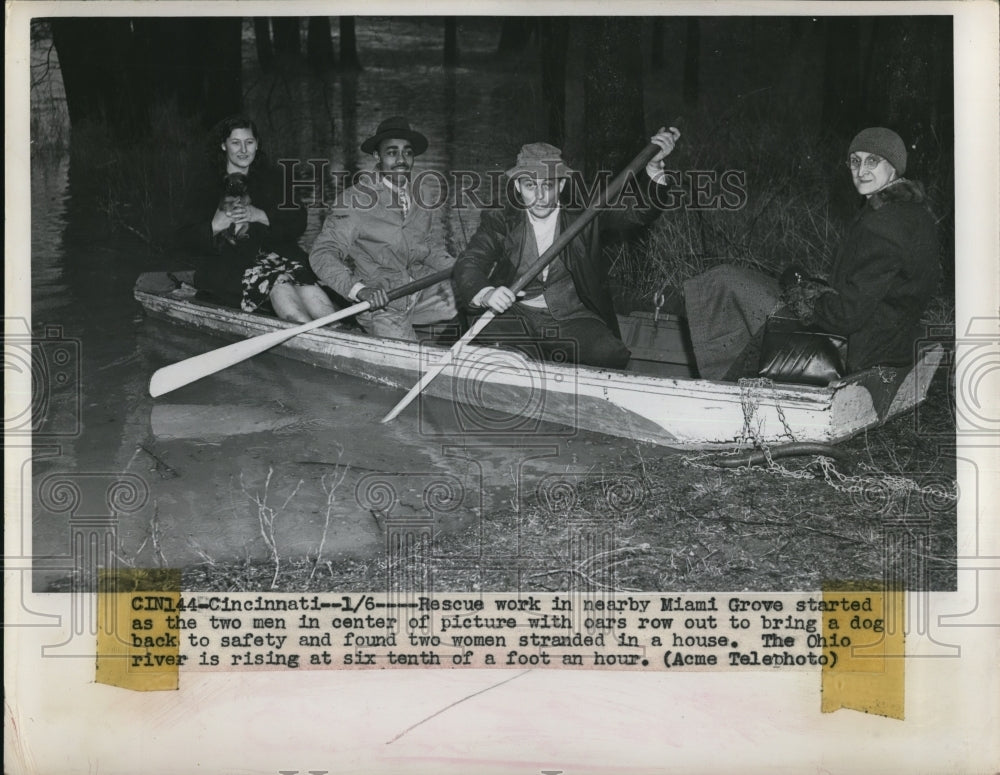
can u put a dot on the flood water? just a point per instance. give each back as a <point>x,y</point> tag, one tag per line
<point>269,455</point>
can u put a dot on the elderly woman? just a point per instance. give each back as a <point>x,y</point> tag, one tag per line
<point>884,274</point>
<point>246,236</point>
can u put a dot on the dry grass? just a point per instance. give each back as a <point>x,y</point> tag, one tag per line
<point>798,203</point>
<point>671,523</point>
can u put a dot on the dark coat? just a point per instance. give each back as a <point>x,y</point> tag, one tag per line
<point>220,264</point>
<point>494,254</point>
<point>885,272</point>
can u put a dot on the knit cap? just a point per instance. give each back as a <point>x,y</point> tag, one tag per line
<point>882,142</point>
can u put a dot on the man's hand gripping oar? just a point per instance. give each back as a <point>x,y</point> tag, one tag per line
<point>614,187</point>
<point>190,370</point>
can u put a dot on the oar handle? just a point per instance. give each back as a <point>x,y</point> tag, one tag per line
<point>419,284</point>
<point>532,271</point>
<point>396,293</point>
<point>592,211</point>
<point>192,369</point>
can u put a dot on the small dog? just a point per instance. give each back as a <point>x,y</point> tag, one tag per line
<point>235,192</point>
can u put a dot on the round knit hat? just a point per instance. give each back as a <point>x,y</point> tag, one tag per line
<point>882,142</point>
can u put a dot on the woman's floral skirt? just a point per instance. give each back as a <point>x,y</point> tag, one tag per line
<point>269,270</point>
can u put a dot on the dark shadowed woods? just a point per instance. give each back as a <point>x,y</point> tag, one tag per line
<point>765,95</point>
<point>894,71</point>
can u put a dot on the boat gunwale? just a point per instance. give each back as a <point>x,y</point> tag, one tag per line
<point>596,377</point>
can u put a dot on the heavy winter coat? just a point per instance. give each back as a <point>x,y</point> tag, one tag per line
<point>221,264</point>
<point>885,272</point>
<point>366,239</point>
<point>504,243</point>
<point>265,186</point>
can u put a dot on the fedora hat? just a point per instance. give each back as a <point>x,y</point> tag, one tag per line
<point>539,160</point>
<point>395,127</point>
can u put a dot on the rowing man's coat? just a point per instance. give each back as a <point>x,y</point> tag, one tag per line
<point>367,240</point>
<point>577,282</point>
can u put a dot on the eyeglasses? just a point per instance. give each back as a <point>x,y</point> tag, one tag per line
<point>869,164</point>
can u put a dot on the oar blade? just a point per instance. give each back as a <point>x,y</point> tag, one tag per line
<point>177,375</point>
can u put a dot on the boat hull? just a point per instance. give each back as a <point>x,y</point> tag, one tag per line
<point>498,390</point>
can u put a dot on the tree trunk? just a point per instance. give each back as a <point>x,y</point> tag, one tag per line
<point>553,33</point>
<point>262,38</point>
<point>348,45</point>
<point>909,85</point>
<point>162,43</point>
<point>450,41</point>
<point>841,76</point>
<point>612,93</point>
<point>349,120</point>
<point>101,68</point>
<point>319,43</point>
<point>287,36</point>
<point>692,61</point>
<point>223,66</point>
<point>515,34</point>
<point>114,69</point>
<point>656,44</point>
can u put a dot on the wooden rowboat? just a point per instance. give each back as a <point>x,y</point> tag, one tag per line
<point>655,401</point>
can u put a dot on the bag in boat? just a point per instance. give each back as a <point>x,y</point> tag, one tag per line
<point>791,353</point>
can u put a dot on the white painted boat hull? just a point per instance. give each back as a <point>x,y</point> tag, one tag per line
<point>502,391</point>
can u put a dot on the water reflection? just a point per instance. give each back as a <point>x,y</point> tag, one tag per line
<point>48,200</point>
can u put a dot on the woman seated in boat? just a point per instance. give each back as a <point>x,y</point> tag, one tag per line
<point>884,274</point>
<point>245,237</point>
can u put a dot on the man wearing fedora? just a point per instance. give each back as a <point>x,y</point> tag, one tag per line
<point>377,237</point>
<point>566,313</point>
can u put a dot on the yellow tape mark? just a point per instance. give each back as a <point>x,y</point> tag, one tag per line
<point>865,631</point>
<point>137,648</point>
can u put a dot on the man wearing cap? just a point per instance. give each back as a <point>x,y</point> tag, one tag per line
<point>377,236</point>
<point>565,313</point>
<point>884,274</point>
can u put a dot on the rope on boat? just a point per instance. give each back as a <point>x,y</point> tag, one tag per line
<point>872,487</point>
<point>755,457</point>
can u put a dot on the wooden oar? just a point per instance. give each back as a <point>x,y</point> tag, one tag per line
<point>192,369</point>
<point>543,261</point>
